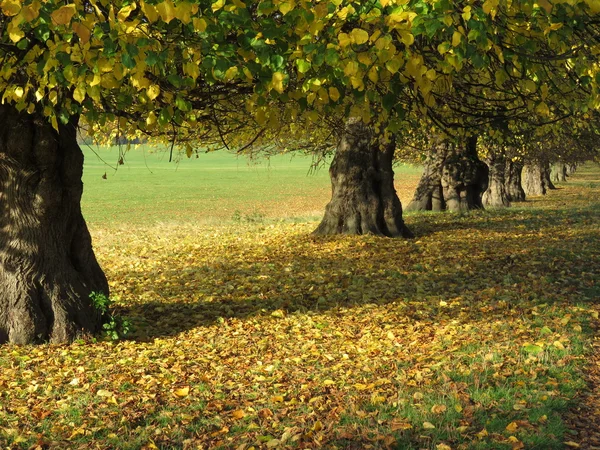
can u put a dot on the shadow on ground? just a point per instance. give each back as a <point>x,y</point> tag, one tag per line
<point>481,258</point>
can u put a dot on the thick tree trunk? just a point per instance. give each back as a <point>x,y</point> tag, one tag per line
<point>464,179</point>
<point>47,265</point>
<point>571,168</point>
<point>428,195</point>
<point>534,179</point>
<point>512,181</point>
<point>558,173</point>
<point>496,196</point>
<point>546,176</point>
<point>363,199</point>
<point>453,178</point>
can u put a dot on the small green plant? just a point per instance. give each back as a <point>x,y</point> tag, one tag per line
<point>115,327</point>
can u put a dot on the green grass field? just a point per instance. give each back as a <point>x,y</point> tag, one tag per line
<point>148,189</point>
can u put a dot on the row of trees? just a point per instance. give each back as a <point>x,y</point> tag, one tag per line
<point>437,75</point>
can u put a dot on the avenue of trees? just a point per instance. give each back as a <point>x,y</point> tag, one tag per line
<point>514,83</point>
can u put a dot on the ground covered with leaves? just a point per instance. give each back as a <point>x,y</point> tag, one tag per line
<point>476,334</point>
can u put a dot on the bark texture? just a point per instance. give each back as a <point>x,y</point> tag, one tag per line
<point>47,265</point>
<point>558,173</point>
<point>454,179</point>
<point>464,179</point>
<point>496,195</point>
<point>546,172</point>
<point>512,181</point>
<point>363,198</point>
<point>429,195</point>
<point>536,178</point>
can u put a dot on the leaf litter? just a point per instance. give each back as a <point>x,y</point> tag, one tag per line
<point>474,335</point>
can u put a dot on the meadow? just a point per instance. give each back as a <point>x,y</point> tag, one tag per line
<point>250,333</point>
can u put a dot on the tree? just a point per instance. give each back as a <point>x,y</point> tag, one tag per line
<point>364,199</point>
<point>454,178</point>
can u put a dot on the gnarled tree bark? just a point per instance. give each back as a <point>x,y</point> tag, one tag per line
<point>47,266</point>
<point>464,179</point>
<point>536,178</point>
<point>428,195</point>
<point>558,172</point>
<point>496,196</point>
<point>457,174</point>
<point>512,181</point>
<point>363,198</point>
<point>546,170</point>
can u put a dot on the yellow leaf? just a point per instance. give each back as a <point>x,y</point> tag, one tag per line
<point>79,93</point>
<point>344,40</point>
<point>277,82</point>
<point>125,11</point>
<point>63,15</point>
<point>166,10</point>
<point>11,7</point>
<point>351,68</point>
<point>14,31</point>
<point>32,11</point>
<point>82,31</point>
<point>334,94</point>
<point>152,92</point>
<point>543,109</point>
<point>571,444</point>
<point>199,24</point>
<point>182,392</point>
<point>559,345</point>
<point>395,426</point>
<point>217,5</point>
<point>184,11</point>
<point>150,12</point>
<point>359,36</point>
<point>428,425</point>
<point>438,409</point>
<point>466,15</point>
<point>286,7</point>
<point>456,39</point>
<point>238,414</point>
<point>328,382</point>
<point>394,64</point>
<point>277,399</point>
<point>512,427</point>
<point>443,447</point>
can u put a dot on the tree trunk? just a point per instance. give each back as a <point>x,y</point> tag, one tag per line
<point>496,196</point>
<point>428,195</point>
<point>570,169</point>
<point>546,176</point>
<point>363,198</point>
<point>533,179</point>
<point>47,266</point>
<point>464,178</point>
<point>512,181</point>
<point>558,173</point>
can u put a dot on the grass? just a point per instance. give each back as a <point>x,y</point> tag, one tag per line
<point>253,333</point>
<point>209,189</point>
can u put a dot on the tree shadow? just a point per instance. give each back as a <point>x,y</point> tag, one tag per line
<point>511,259</point>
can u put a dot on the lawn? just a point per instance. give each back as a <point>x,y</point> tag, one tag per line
<point>208,189</point>
<point>249,332</point>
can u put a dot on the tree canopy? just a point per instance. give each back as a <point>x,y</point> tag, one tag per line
<point>156,65</point>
